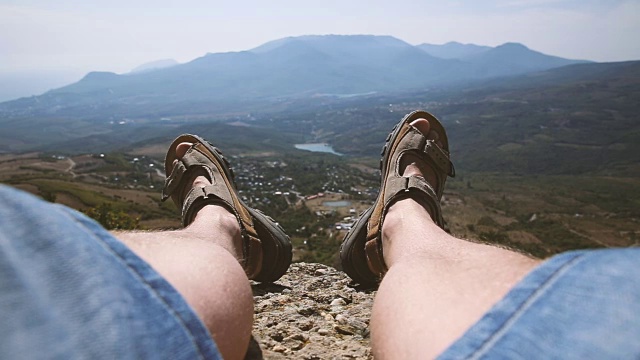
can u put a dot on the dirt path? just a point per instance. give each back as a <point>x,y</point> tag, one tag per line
<point>72,165</point>
<point>160,173</point>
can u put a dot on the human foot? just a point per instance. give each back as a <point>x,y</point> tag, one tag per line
<point>408,213</point>
<point>213,222</point>
<point>198,176</point>
<point>414,166</point>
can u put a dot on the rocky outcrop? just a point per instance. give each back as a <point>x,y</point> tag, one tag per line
<point>312,312</point>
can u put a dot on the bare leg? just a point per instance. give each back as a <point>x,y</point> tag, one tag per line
<point>201,262</point>
<point>437,285</point>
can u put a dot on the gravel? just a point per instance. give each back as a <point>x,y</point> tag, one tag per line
<point>312,312</point>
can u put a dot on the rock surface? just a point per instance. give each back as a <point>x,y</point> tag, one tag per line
<point>312,312</point>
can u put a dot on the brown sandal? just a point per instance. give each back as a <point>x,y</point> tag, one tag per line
<point>266,247</point>
<point>361,250</point>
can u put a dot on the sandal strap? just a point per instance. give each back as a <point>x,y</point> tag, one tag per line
<point>199,197</point>
<point>414,187</point>
<point>218,193</point>
<point>415,140</point>
<point>397,187</point>
<point>412,141</point>
<point>361,250</point>
<point>174,181</point>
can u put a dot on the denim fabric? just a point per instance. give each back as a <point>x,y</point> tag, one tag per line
<point>577,305</point>
<point>68,290</point>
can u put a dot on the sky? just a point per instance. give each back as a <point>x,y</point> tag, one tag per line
<point>68,38</point>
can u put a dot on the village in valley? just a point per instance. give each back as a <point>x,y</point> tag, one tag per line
<point>313,206</point>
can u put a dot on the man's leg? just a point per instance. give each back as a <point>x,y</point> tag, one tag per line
<point>437,285</point>
<point>201,262</point>
<point>69,289</point>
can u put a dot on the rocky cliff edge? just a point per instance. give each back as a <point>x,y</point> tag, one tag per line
<point>312,312</point>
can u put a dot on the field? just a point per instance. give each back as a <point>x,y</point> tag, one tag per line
<point>538,215</point>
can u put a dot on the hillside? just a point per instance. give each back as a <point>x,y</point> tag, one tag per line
<point>574,120</point>
<point>571,120</point>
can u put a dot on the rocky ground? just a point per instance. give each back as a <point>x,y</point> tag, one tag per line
<point>312,312</point>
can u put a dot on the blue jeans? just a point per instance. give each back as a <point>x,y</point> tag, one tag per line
<point>577,305</point>
<point>68,289</point>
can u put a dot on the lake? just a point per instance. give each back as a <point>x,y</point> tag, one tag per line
<point>339,203</point>
<point>317,147</point>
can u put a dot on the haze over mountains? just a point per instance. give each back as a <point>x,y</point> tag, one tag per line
<point>155,65</point>
<point>454,50</point>
<point>507,107</point>
<point>289,68</point>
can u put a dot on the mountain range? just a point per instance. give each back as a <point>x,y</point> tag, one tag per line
<point>506,107</point>
<point>280,70</point>
<point>454,50</point>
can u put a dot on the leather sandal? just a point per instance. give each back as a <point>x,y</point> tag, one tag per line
<point>361,251</point>
<point>266,247</point>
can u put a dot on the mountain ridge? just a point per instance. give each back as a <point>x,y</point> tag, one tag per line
<point>453,50</point>
<point>513,95</point>
<point>288,68</point>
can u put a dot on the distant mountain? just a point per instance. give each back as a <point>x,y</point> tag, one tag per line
<point>155,65</point>
<point>285,69</point>
<point>453,50</point>
<point>359,46</point>
<point>580,118</point>
<point>507,59</point>
<point>513,59</point>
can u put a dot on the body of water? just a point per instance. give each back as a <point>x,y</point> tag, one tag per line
<point>317,147</point>
<point>340,203</point>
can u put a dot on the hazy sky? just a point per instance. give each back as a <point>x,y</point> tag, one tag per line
<point>117,35</point>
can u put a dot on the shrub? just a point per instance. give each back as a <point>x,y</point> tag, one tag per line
<point>112,219</point>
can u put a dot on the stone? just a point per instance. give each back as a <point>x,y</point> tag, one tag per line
<point>307,310</point>
<point>296,345</point>
<point>297,336</point>
<point>338,302</point>
<point>312,312</point>
<point>344,330</point>
<point>328,317</point>
<point>305,324</point>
